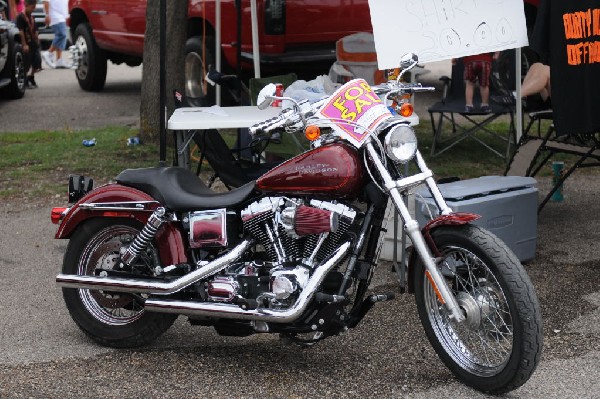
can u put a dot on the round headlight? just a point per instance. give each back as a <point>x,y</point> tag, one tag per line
<point>401,143</point>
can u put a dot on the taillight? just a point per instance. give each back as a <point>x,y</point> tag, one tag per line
<point>58,214</point>
<point>275,17</point>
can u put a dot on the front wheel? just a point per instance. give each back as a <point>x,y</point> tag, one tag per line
<point>198,59</point>
<point>91,72</point>
<point>110,318</point>
<point>498,346</point>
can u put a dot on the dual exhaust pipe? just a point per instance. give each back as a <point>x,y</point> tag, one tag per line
<point>206,309</point>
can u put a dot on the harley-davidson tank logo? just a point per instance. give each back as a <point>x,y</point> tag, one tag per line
<point>315,168</point>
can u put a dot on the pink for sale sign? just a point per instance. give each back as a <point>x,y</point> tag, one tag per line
<point>356,110</point>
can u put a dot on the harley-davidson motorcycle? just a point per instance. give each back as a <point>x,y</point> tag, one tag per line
<point>293,252</point>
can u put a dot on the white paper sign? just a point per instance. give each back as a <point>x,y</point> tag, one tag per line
<point>437,30</point>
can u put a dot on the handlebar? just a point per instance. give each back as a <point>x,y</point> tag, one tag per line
<point>298,113</point>
<point>272,124</point>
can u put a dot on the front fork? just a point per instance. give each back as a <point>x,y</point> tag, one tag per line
<point>394,189</point>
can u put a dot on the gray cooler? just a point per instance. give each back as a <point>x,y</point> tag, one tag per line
<point>507,205</point>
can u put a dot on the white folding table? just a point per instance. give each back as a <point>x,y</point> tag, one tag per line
<point>185,120</point>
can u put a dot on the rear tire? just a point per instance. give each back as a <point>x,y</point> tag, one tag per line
<point>499,345</point>
<point>111,319</point>
<point>91,73</point>
<point>17,74</point>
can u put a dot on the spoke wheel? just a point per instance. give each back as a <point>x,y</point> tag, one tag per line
<point>111,318</point>
<point>498,345</point>
<point>102,253</point>
<point>483,343</point>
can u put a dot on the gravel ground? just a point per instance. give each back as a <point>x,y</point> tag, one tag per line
<point>45,356</point>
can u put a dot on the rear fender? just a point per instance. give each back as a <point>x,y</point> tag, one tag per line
<point>453,219</point>
<point>170,240</point>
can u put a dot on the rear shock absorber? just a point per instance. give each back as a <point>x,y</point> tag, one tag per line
<point>141,241</point>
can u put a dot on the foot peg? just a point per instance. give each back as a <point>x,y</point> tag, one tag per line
<point>382,297</point>
<point>328,298</point>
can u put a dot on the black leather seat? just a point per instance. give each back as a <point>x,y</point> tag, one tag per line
<point>181,190</point>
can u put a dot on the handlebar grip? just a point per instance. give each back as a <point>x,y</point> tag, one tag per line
<point>270,124</point>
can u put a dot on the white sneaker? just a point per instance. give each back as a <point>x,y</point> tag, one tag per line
<point>61,63</point>
<point>49,58</point>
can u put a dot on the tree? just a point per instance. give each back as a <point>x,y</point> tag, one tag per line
<point>176,22</point>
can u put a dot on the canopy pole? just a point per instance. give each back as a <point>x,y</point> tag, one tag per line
<point>162,79</point>
<point>255,49</point>
<point>218,47</point>
<point>519,125</point>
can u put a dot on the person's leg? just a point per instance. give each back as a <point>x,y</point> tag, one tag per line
<point>61,43</point>
<point>537,80</point>
<point>49,56</point>
<point>469,90</point>
<point>469,79</point>
<point>484,85</point>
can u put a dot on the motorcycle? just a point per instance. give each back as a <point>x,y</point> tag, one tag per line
<point>293,253</point>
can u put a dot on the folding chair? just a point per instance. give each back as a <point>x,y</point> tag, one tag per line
<point>452,103</point>
<point>233,172</point>
<point>535,149</point>
<point>256,84</point>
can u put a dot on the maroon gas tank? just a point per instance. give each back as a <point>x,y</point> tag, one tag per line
<point>333,170</point>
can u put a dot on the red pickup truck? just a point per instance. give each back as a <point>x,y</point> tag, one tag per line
<point>290,32</point>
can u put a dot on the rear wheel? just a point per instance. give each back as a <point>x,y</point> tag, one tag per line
<point>17,72</point>
<point>110,318</point>
<point>498,346</point>
<point>91,72</point>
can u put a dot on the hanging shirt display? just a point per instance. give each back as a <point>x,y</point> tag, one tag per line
<point>567,37</point>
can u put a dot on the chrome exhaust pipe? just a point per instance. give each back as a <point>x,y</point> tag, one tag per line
<point>117,284</point>
<point>231,311</point>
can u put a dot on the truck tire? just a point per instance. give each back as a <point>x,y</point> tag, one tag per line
<point>196,66</point>
<point>16,73</point>
<point>91,72</point>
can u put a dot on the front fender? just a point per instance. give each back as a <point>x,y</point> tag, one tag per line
<point>170,239</point>
<point>453,219</point>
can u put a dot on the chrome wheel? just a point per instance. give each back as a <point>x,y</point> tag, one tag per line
<point>483,343</point>
<point>194,75</point>
<point>84,59</point>
<point>20,71</point>
<point>100,255</point>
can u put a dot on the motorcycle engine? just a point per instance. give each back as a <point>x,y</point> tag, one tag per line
<point>293,237</point>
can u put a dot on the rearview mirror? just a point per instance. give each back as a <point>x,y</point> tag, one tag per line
<point>409,60</point>
<point>266,96</point>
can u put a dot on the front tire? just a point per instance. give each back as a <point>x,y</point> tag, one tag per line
<point>111,319</point>
<point>91,72</point>
<point>498,346</point>
<point>197,63</point>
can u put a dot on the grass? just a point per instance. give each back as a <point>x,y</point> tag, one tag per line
<point>36,165</point>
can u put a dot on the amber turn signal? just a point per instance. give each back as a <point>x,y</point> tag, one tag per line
<point>406,110</point>
<point>312,132</point>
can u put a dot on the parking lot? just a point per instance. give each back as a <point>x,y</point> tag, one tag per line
<point>45,355</point>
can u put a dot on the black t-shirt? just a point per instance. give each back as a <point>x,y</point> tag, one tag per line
<point>26,23</point>
<point>567,37</point>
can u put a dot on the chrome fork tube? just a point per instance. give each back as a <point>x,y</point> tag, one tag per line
<point>432,186</point>
<point>412,228</point>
